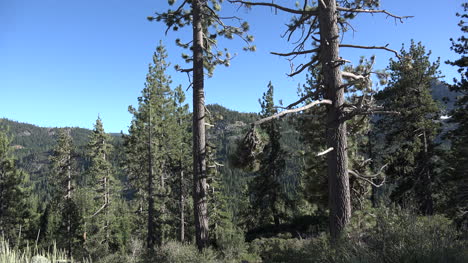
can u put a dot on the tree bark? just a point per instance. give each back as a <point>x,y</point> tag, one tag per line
<point>337,160</point>
<point>67,200</point>
<point>150,239</point>
<point>199,144</point>
<point>182,205</point>
<point>428,202</point>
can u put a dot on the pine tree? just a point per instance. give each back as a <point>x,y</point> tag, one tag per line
<point>409,136</point>
<point>458,158</point>
<point>180,139</point>
<point>13,206</point>
<point>268,199</point>
<point>148,145</point>
<point>206,25</point>
<point>70,219</point>
<point>102,186</point>
<point>311,128</point>
<point>327,19</point>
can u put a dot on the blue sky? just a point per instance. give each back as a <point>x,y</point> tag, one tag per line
<point>64,62</point>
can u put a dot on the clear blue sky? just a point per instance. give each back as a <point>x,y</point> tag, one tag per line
<point>64,62</point>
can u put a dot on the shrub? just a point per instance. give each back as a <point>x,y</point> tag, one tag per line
<point>176,252</point>
<point>394,236</point>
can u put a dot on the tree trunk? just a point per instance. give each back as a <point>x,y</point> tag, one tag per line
<point>106,203</point>
<point>68,200</point>
<point>337,160</point>
<point>199,145</point>
<point>150,240</point>
<point>428,203</point>
<point>182,206</point>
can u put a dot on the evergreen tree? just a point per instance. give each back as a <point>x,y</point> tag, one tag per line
<point>206,25</point>
<point>148,147</point>
<point>13,207</point>
<point>102,186</point>
<point>220,216</point>
<point>180,140</point>
<point>68,232</point>
<point>458,158</point>
<point>409,136</point>
<point>311,128</point>
<point>328,19</point>
<point>268,199</point>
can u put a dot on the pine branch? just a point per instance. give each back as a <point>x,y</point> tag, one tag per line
<point>305,66</point>
<point>353,76</point>
<point>282,8</point>
<point>372,47</point>
<point>282,113</point>
<point>367,178</point>
<point>370,11</point>
<point>358,176</point>
<point>325,152</point>
<point>99,210</point>
<point>295,53</point>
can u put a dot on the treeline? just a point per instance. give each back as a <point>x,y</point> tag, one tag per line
<point>347,173</point>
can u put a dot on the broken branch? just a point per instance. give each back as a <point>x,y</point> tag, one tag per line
<point>370,11</point>
<point>372,47</point>
<point>282,113</point>
<point>325,152</point>
<point>282,8</point>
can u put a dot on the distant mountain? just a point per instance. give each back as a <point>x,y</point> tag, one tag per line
<point>441,93</point>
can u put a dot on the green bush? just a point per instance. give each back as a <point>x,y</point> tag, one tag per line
<point>232,246</point>
<point>394,236</point>
<point>400,236</point>
<point>175,252</point>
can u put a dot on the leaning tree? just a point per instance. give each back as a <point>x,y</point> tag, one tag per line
<point>319,26</point>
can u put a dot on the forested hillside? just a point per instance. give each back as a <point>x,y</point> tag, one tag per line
<point>367,165</point>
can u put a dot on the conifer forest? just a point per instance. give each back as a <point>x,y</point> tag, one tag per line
<point>347,173</point>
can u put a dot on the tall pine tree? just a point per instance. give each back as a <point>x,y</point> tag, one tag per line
<point>102,186</point>
<point>409,136</point>
<point>206,23</point>
<point>68,232</point>
<point>268,199</point>
<point>148,147</point>
<point>318,25</point>
<point>458,158</point>
<point>13,206</point>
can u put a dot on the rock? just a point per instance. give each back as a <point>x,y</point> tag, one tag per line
<point>39,259</point>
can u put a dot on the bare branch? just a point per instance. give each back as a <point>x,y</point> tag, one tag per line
<point>186,70</point>
<point>370,11</point>
<point>325,152</point>
<point>295,53</point>
<point>323,3</point>
<point>372,47</point>
<point>282,8</point>
<point>99,210</point>
<point>376,174</point>
<point>365,179</point>
<point>299,101</point>
<point>304,66</point>
<point>280,114</point>
<point>353,76</point>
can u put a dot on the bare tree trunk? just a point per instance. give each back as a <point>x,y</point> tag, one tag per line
<point>182,206</point>
<point>106,204</point>
<point>337,160</point>
<point>199,145</point>
<point>68,200</point>
<point>428,202</point>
